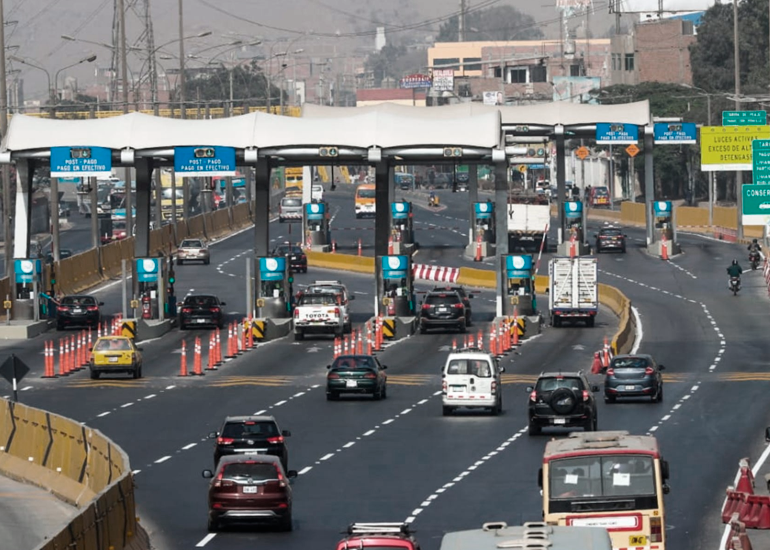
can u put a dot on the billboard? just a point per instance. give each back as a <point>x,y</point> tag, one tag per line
<point>443,80</point>
<point>659,6</point>
<point>575,89</point>
<point>493,98</point>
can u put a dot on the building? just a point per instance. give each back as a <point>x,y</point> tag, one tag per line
<point>400,96</point>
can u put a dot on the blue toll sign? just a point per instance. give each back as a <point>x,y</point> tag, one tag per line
<point>616,134</point>
<point>675,132</point>
<point>91,162</point>
<point>204,161</point>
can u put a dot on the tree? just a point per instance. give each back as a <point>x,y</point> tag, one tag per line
<point>495,23</point>
<point>249,84</point>
<point>712,56</point>
<point>383,64</point>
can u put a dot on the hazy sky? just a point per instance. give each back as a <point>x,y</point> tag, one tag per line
<point>346,23</point>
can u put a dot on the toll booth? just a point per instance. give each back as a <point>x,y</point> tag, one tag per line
<point>315,220</point>
<point>152,276</point>
<point>273,288</point>
<point>402,228</point>
<point>482,237</point>
<point>574,229</point>
<point>28,284</point>
<point>664,241</point>
<point>395,286</point>
<point>519,275</point>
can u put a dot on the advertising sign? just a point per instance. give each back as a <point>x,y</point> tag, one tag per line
<point>272,269</point>
<point>493,98</point>
<point>756,204</point>
<point>399,210</point>
<point>204,161</point>
<point>573,209</point>
<point>91,162</point>
<point>675,133</point>
<point>415,81</point>
<point>728,148</point>
<point>443,80</point>
<point>616,134</point>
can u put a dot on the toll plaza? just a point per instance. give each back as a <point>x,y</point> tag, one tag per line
<point>482,237</point>
<point>395,293</point>
<point>402,228</point>
<point>468,134</point>
<point>664,242</point>
<point>315,221</point>
<point>574,243</point>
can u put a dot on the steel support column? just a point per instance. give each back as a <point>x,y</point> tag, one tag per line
<point>144,167</point>
<point>501,227</point>
<point>473,196</point>
<point>561,177</point>
<point>25,169</point>
<point>95,228</point>
<point>382,208</point>
<point>262,208</point>
<point>649,180</point>
<point>53,204</point>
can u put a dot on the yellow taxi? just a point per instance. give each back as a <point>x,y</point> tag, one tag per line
<point>112,354</point>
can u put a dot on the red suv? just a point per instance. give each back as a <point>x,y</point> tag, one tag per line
<point>247,489</point>
<point>378,536</point>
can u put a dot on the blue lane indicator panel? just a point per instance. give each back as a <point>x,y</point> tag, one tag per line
<point>204,161</point>
<point>92,162</point>
<point>617,134</point>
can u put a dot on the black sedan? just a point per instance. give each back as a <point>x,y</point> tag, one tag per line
<point>200,310</point>
<point>78,311</point>
<point>610,238</point>
<point>356,374</point>
<point>633,376</point>
<point>294,255</point>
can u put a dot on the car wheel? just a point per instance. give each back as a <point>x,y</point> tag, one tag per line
<point>59,327</point>
<point>286,523</point>
<point>332,396</point>
<point>556,322</point>
<point>140,375</point>
<point>299,336</point>
<point>590,322</point>
<point>385,391</point>
<point>595,424</point>
<point>338,333</point>
<point>446,411</point>
<point>462,327</point>
<point>182,326</point>
<point>377,395</point>
<point>659,396</point>
<point>468,321</point>
<point>179,262</point>
<point>423,329</point>
<point>95,375</point>
<point>213,525</point>
<point>534,429</point>
<point>206,262</point>
<point>136,373</point>
<point>609,398</point>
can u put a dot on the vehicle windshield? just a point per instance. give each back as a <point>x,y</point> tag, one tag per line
<point>630,363</point>
<point>246,471</point>
<point>346,363</point>
<point>245,430</point>
<point>365,194</point>
<point>318,300</point>
<point>601,191</point>
<point>601,476</point>
<point>610,233</point>
<point>118,225</point>
<point>291,202</point>
<point>168,193</point>
<point>120,344</point>
<point>286,250</point>
<point>474,367</point>
<point>78,301</point>
<point>441,299</point>
<point>192,243</point>
<point>552,384</point>
<point>200,301</point>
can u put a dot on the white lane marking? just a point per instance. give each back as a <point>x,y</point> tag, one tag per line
<point>150,396</point>
<point>170,387</point>
<point>279,403</point>
<point>388,421</point>
<point>126,405</point>
<point>263,411</point>
<point>190,446</point>
<point>348,445</point>
<point>327,457</point>
<point>135,471</point>
<point>26,388</point>
<point>465,473</point>
<point>304,470</point>
<point>205,540</point>
<point>162,460</point>
<point>103,414</point>
<point>370,432</point>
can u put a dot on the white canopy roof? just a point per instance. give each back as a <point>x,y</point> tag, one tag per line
<point>363,130</point>
<point>544,114</point>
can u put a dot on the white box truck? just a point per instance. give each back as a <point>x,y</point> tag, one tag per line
<point>573,291</point>
<point>528,219</point>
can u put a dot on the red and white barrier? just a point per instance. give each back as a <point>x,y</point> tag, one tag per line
<point>435,273</point>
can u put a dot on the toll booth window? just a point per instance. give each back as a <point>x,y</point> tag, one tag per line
<point>272,289</point>
<point>168,193</point>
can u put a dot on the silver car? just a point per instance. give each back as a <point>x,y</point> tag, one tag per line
<point>193,250</point>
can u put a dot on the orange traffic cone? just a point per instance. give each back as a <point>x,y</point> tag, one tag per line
<point>572,247</point>
<point>197,360</point>
<point>454,344</point>
<point>183,360</point>
<point>606,354</point>
<point>746,479</point>
<point>212,356</point>
<point>596,366</point>
<point>478,257</point>
<point>62,359</point>
<point>663,248</point>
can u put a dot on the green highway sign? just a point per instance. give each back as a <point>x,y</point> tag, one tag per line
<point>744,118</point>
<point>756,204</point>
<point>760,160</point>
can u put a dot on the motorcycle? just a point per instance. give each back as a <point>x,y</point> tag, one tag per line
<point>432,201</point>
<point>754,259</point>
<point>735,285</point>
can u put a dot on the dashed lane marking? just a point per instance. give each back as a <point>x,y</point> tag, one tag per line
<point>273,381</point>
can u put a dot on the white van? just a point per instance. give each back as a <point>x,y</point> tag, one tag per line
<point>471,379</point>
<point>317,192</point>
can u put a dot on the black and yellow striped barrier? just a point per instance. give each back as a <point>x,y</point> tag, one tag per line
<point>389,328</point>
<point>258,329</point>
<point>520,326</point>
<point>128,328</point>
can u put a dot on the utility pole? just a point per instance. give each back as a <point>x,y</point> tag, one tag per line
<point>738,174</point>
<point>124,90</point>
<point>461,22</point>
<point>181,85</point>
<point>6,172</point>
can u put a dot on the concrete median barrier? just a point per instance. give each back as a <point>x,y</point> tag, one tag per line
<point>343,262</point>
<point>80,466</point>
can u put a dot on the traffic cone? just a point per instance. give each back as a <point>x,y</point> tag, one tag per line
<point>218,341</point>
<point>471,342</point>
<point>212,355</point>
<point>607,355</point>
<point>360,347</point>
<point>359,247</point>
<point>241,337</point>
<point>746,480</point>
<point>73,354</point>
<point>48,361</point>
<point>596,366</point>
<point>515,326</point>
<point>229,353</point>
<point>62,359</point>
<point>251,334</point>
<point>572,247</point>
<point>368,338</point>
<point>454,344</point>
<point>81,350</point>
<point>334,246</point>
<point>663,248</point>
<point>197,360</point>
<point>183,360</point>
<point>492,341</point>
<point>478,257</point>
<point>390,245</point>
<point>480,341</point>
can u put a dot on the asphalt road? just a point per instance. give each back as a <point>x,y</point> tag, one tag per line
<point>399,459</point>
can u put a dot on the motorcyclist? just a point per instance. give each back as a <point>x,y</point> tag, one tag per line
<point>754,246</point>
<point>734,270</point>
<point>432,199</point>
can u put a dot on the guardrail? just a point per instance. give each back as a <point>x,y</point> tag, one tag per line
<point>81,467</point>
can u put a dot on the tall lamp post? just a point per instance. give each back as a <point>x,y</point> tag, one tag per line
<point>737,59</point>
<point>6,172</point>
<point>712,194</point>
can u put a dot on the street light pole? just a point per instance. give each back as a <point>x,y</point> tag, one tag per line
<point>181,86</point>
<point>6,172</point>
<point>738,174</point>
<point>124,78</point>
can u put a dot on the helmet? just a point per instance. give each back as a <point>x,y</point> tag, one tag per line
<point>735,262</point>
<point>754,241</point>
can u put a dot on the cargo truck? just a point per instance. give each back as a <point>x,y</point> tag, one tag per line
<point>529,216</point>
<point>573,293</point>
